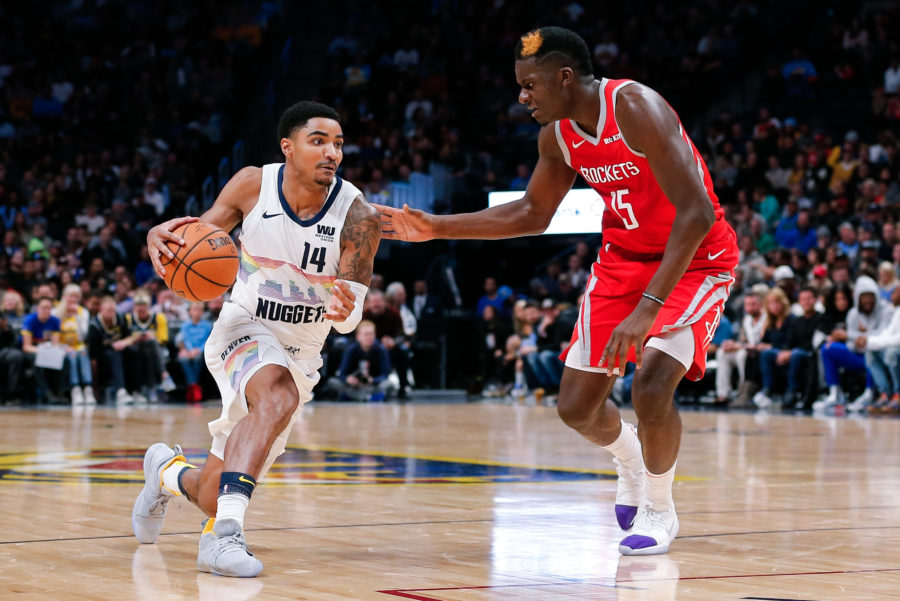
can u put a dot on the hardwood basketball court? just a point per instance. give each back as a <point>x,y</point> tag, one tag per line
<point>457,502</point>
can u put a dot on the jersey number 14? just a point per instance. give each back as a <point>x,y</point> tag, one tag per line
<point>317,258</point>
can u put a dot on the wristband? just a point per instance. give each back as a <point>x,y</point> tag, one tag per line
<point>655,299</point>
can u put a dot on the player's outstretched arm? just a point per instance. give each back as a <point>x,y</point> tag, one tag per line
<point>529,215</point>
<point>359,243</point>
<point>234,201</point>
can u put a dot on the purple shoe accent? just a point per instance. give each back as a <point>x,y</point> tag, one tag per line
<point>625,516</point>
<point>637,541</point>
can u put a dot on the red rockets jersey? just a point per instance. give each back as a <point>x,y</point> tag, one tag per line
<point>638,216</point>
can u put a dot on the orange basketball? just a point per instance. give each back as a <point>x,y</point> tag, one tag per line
<point>205,267</point>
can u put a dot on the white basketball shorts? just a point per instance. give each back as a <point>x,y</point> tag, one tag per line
<point>678,344</point>
<point>237,348</point>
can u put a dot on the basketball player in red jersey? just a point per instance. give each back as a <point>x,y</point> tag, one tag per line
<point>660,281</point>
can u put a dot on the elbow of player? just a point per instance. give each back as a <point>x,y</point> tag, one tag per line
<point>541,223</point>
<point>704,216</point>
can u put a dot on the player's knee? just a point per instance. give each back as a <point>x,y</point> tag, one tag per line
<point>575,410</point>
<point>652,400</point>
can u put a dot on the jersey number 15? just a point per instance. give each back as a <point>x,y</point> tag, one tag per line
<point>623,209</point>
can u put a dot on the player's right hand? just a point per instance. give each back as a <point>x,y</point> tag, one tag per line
<point>157,238</point>
<point>407,224</point>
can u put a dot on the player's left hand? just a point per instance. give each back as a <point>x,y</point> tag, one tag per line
<point>342,301</point>
<point>630,333</point>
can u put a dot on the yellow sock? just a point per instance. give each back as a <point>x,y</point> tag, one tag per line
<point>209,525</point>
<point>171,472</point>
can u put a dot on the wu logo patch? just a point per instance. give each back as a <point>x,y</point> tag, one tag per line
<point>325,232</point>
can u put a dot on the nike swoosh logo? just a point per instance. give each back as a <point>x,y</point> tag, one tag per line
<point>241,478</point>
<point>577,144</point>
<point>267,216</point>
<point>712,257</point>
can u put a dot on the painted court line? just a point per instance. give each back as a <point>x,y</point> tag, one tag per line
<point>413,593</point>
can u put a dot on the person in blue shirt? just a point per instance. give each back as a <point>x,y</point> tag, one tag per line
<point>191,340</point>
<point>364,367</point>
<point>40,327</point>
<point>491,297</point>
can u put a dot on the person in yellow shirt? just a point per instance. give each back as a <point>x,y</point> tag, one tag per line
<point>152,334</point>
<point>74,320</point>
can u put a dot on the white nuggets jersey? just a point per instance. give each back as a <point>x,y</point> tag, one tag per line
<point>288,265</point>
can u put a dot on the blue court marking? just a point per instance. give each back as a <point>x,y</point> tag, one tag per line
<point>297,466</point>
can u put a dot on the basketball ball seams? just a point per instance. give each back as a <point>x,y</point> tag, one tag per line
<point>188,250</point>
<point>206,284</point>
<point>191,269</point>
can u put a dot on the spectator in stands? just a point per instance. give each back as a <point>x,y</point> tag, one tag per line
<point>190,340</point>
<point>845,349</point>
<point>151,334</point>
<point>804,338</point>
<point>13,309</point>
<point>389,329</point>
<point>42,327</point>
<point>12,360</point>
<point>887,279</point>
<point>544,364</point>
<point>892,76</point>
<point>423,303</point>
<point>848,244</point>
<point>365,366</point>
<point>578,275</point>
<point>492,335</point>
<point>491,297</point>
<point>107,247</point>
<point>733,354</point>
<point>74,322</point>
<point>108,337</point>
<point>395,295</point>
<point>882,351</point>
<point>523,175</point>
<point>774,346</point>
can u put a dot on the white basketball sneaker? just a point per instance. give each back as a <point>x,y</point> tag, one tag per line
<point>652,532</point>
<point>630,487</point>
<point>224,552</point>
<point>629,494</point>
<point>149,509</point>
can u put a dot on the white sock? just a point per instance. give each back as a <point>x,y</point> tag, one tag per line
<point>170,477</point>
<point>659,489</point>
<point>232,506</point>
<point>627,448</point>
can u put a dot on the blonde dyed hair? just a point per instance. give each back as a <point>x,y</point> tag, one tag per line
<point>777,293</point>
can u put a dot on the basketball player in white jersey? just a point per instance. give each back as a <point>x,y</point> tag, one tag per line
<point>308,241</point>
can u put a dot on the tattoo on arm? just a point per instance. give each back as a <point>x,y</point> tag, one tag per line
<point>359,242</point>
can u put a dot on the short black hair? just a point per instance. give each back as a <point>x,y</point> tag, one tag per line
<point>807,289</point>
<point>294,117</point>
<point>558,41</point>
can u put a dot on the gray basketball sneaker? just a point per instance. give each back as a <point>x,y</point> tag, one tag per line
<point>224,552</point>
<point>149,510</point>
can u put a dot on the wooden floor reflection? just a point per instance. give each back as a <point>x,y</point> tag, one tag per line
<point>457,502</point>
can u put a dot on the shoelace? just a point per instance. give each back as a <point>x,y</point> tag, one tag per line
<point>648,520</point>
<point>234,539</point>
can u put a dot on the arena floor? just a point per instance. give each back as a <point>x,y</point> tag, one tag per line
<point>457,502</point>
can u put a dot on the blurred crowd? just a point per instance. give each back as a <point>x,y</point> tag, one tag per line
<point>111,115</point>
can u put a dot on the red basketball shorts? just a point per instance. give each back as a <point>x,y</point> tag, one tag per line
<point>620,277</point>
